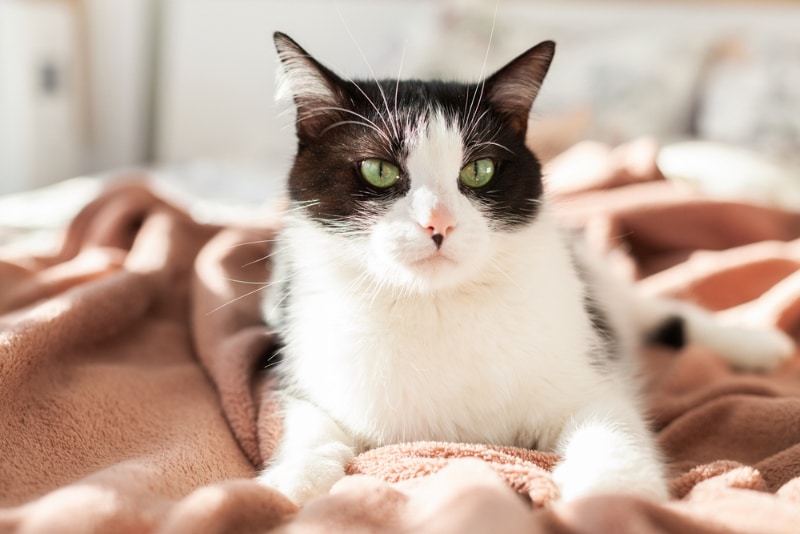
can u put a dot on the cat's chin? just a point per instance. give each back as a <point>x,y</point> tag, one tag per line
<point>434,263</point>
<point>432,274</point>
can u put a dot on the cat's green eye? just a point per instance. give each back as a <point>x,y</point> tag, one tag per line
<point>477,173</point>
<point>379,173</point>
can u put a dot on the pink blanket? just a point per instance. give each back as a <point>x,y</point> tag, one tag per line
<point>133,395</point>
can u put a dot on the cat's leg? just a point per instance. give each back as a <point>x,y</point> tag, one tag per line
<point>641,318</point>
<point>607,448</point>
<point>312,453</point>
<point>750,349</point>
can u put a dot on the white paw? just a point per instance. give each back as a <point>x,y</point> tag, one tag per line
<point>303,477</point>
<point>577,479</point>
<point>753,350</point>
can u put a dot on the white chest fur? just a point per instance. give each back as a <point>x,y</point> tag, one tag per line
<point>499,360</point>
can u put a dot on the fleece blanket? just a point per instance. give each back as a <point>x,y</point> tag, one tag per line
<point>135,379</point>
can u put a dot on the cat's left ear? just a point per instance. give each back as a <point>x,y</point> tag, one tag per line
<point>513,88</point>
<point>315,89</point>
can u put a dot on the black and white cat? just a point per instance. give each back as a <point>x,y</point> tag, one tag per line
<point>425,292</point>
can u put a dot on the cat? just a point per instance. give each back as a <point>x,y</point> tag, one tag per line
<point>424,291</point>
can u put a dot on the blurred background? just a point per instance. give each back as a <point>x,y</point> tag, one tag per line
<point>90,86</point>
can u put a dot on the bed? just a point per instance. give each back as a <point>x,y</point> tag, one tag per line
<point>134,367</point>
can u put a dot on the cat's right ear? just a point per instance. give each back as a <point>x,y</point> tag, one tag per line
<point>315,89</point>
<point>513,88</point>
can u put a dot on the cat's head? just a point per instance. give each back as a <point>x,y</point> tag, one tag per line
<point>418,179</point>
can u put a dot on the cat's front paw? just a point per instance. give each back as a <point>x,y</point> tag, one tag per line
<point>303,477</point>
<point>576,479</point>
<point>754,350</point>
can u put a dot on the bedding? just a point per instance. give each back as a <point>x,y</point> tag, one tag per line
<point>135,377</point>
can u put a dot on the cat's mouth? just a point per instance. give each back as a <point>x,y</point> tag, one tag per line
<point>433,261</point>
<point>428,271</point>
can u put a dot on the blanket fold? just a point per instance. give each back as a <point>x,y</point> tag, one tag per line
<point>135,385</point>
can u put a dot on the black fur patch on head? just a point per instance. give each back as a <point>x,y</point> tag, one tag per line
<point>513,196</point>
<point>326,175</point>
<point>341,123</point>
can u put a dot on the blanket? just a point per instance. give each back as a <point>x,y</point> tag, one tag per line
<point>135,384</point>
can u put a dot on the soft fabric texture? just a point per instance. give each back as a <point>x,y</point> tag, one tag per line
<point>133,395</point>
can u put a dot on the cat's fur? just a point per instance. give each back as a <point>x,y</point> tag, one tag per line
<point>432,311</point>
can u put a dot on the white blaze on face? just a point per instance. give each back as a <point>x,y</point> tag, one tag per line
<point>434,162</point>
<point>405,249</point>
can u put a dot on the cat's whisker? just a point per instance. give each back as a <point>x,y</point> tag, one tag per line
<point>392,121</point>
<point>300,206</point>
<point>264,258</point>
<point>407,126</point>
<point>277,356</point>
<point>366,121</point>
<point>284,114</point>
<point>277,305</point>
<point>471,120</point>
<point>397,85</point>
<point>342,123</point>
<point>365,286</point>
<point>358,284</point>
<point>375,107</point>
<point>472,128</point>
<point>353,227</point>
<point>495,144</point>
<point>372,72</point>
<point>496,266</point>
<point>258,242</point>
<point>260,283</point>
<point>482,84</point>
<point>354,284</point>
<point>240,297</point>
<point>471,125</point>
<point>377,291</point>
<point>320,111</point>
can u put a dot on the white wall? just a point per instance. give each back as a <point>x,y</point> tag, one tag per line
<point>633,65</point>
<point>41,134</point>
<point>218,68</point>
<point>121,37</point>
<point>100,118</point>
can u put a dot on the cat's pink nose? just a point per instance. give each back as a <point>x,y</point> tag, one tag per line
<point>439,224</point>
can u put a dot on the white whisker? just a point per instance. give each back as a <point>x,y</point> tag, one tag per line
<point>397,86</point>
<point>277,305</point>
<point>482,84</point>
<point>366,121</point>
<point>374,77</point>
<point>259,242</point>
<point>263,258</point>
<point>240,297</point>
<point>494,144</point>
<point>260,283</point>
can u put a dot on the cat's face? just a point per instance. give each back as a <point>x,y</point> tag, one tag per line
<point>420,180</point>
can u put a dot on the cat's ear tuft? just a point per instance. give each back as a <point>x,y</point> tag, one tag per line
<point>314,88</point>
<point>513,88</point>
